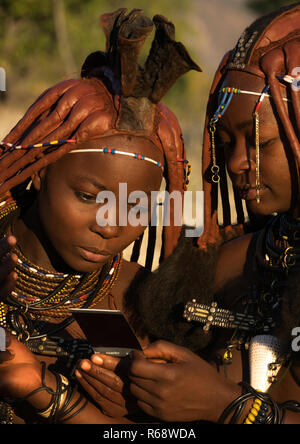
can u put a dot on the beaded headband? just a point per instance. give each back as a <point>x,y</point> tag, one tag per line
<point>122,153</point>
<point>137,156</point>
<point>224,101</point>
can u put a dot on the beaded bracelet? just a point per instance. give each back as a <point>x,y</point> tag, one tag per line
<point>238,405</point>
<point>257,413</point>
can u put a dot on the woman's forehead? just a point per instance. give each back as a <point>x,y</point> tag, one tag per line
<point>126,143</point>
<point>105,171</point>
<point>242,106</point>
<point>243,80</point>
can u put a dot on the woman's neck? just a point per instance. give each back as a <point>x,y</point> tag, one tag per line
<point>34,244</point>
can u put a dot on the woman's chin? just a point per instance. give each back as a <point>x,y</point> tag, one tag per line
<point>80,266</point>
<point>88,267</point>
<point>265,208</point>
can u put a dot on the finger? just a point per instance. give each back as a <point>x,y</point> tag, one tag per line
<point>110,402</point>
<point>105,361</point>
<point>119,366</point>
<point>146,408</point>
<point>142,394</point>
<point>167,351</point>
<point>7,266</point>
<point>144,368</point>
<point>147,385</point>
<point>8,285</point>
<point>144,399</point>
<point>96,374</point>
<point>6,244</point>
<point>102,390</point>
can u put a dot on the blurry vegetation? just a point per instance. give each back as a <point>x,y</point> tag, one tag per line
<point>265,6</point>
<point>43,42</point>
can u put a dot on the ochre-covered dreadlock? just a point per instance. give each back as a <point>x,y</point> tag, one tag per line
<point>269,49</point>
<point>113,96</point>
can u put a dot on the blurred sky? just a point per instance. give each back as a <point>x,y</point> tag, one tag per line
<point>221,22</point>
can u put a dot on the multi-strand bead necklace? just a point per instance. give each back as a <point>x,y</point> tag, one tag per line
<point>43,295</point>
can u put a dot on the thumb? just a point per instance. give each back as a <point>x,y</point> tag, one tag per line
<point>167,351</point>
<point>106,361</point>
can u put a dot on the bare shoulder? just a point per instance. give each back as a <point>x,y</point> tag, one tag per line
<point>129,272</point>
<point>231,260</point>
<point>130,267</point>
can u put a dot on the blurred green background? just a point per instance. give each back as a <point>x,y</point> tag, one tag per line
<point>45,41</point>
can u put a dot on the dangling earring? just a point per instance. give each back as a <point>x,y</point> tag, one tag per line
<point>215,169</point>
<point>257,151</point>
<point>257,157</point>
<point>224,101</point>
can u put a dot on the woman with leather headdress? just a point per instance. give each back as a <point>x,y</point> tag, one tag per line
<point>81,137</point>
<point>240,296</point>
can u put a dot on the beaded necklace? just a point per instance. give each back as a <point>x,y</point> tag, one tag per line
<point>52,295</point>
<point>40,295</point>
<point>276,254</point>
<point>282,244</point>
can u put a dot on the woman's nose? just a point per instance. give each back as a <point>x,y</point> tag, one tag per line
<point>106,222</point>
<point>239,159</point>
<point>106,231</point>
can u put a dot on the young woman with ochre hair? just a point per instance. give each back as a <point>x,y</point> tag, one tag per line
<point>81,137</point>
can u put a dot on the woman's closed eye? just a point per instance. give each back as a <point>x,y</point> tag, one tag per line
<point>85,197</point>
<point>222,145</point>
<point>267,142</point>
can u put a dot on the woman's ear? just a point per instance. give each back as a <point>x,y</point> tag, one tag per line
<point>38,179</point>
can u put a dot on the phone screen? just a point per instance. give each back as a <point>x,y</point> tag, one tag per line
<point>107,331</point>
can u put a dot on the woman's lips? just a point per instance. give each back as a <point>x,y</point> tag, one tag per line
<point>249,193</point>
<point>94,256</point>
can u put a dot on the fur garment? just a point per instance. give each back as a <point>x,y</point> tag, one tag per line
<point>187,274</point>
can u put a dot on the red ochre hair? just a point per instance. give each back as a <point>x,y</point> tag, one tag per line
<point>269,49</point>
<point>113,96</point>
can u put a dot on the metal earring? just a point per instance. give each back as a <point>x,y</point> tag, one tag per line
<point>257,158</point>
